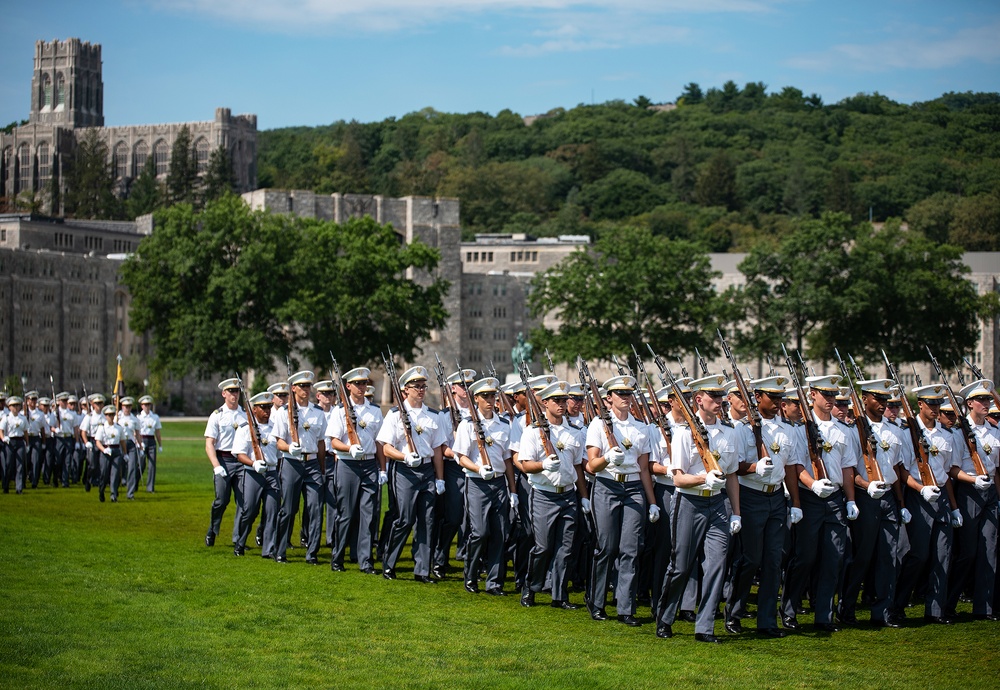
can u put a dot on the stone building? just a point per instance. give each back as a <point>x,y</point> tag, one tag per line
<point>67,99</point>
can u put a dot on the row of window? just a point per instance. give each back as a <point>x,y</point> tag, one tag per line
<point>499,312</point>
<point>476,356</point>
<point>520,256</point>
<point>498,290</point>
<point>476,333</point>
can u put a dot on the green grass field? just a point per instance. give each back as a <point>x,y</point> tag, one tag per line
<point>127,595</point>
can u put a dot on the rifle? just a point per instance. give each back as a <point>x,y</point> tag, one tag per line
<point>477,423</point>
<point>978,373</point>
<point>350,416</point>
<point>293,407</point>
<point>548,357</point>
<point>920,445</point>
<point>753,414</point>
<point>702,363</point>
<point>52,384</point>
<point>258,452</point>
<point>535,415</point>
<point>814,441</point>
<point>865,433</point>
<point>599,407</point>
<point>397,396</point>
<point>698,431</point>
<point>963,420</point>
<point>589,410</point>
<point>637,412</point>
<point>770,367</point>
<point>505,404</point>
<point>684,371</point>
<point>916,376</point>
<point>447,399</point>
<point>657,417</point>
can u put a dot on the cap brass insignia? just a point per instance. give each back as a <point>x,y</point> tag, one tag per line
<point>781,381</point>
<point>420,429</point>
<point>883,444</point>
<point>489,440</point>
<point>934,450</point>
<point>716,454</point>
<point>988,448</point>
<point>827,446</point>
<point>560,445</point>
<point>627,442</point>
<point>775,447</point>
<point>363,424</point>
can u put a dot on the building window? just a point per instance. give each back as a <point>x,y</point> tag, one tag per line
<point>43,161</point>
<point>160,156</point>
<point>499,333</point>
<point>201,154</point>
<point>24,161</point>
<point>499,312</point>
<point>60,90</point>
<point>46,91</point>
<point>139,155</point>
<point>121,160</point>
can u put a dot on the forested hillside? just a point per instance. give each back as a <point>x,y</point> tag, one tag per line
<point>725,168</point>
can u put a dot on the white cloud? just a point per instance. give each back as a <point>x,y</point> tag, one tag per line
<point>919,48</point>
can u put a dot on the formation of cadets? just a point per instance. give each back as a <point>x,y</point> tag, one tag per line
<point>72,440</point>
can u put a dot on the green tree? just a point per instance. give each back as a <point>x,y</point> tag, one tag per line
<point>692,95</point>
<point>219,178</point>
<point>716,184</point>
<point>976,223</point>
<point>144,194</point>
<point>630,288</point>
<point>182,180</point>
<point>90,180</point>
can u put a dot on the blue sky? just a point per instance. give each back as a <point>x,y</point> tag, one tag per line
<point>311,62</point>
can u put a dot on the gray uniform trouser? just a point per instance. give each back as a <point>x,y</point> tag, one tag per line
<point>763,538</point>
<point>111,470</point>
<point>229,483</point>
<point>62,466</point>
<point>256,487</point>
<point>975,548</point>
<point>820,544</point>
<point>33,461</point>
<point>930,535</point>
<point>486,505</point>
<point>330,490</point>
<point>521,537</point>
<point>662,543</point>
<point>450,512</point>
<point>697,522</point>
<point>300,478</point>
<point>414,489</point>
<point>132,472</point>
<point>148,461</point>
<point>15,461</point>
<point>874,543</point>
<point>359,499</point>
<point>554,519</point>
<point>620,516</point>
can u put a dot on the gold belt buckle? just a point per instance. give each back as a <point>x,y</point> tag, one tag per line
<point>705,493</point>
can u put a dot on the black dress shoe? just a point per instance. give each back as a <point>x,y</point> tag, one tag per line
<point>281,559</point>
<point>776,633</point>
<point>889,622</point>
<point>114,499</point>
<point>368,571</point>
<point>565,605</point>
<point>734,627</point>
<point>938,620</point>
<point>629,620</point>
<point>827,627</point>
<point>337,567</point>
<point>256,538</point>
<point>209,538</point>
<point>985,617</point>
<point>665,631</point>
<point>238,551</point>
<point>686,616</point>
<point>789,623</point>
<point>496,592</point>
<point>527,598</point>
<point>472,587</point>
<point>847,618</point>
<point>312,561</point>
<point>425,579</point>
<point>389,574</point>
<point>598,614</point>
<point>707,637</point>
<point>438,572</point>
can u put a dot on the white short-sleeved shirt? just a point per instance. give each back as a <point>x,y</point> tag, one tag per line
<point>568,443</point>
<point>632,437</point>
<point>14,426</point>
<point>837,452</point>
<point>988,443</point>
<point>940,454</point>
<point>222,425</point>
<point>887,448</point>
<point>311,427</point>
<point>111,435</point>
<point>780,451</point>
<point>722,440</point>
<point>427,430</point>
<point>66,422</point>
<point>368,425</point>
<point>243,445</point>
<point>149,423</point>
<point>497,433</point>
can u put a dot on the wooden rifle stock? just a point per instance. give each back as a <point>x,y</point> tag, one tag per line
<point>920,446</point>
<point>865,433</point>
<point>258,452</point>
<point>293,407</point>
<point>447,399</point>
<point>599,407</point>
<point>477,423</point>
<point>534,414</point>
<point>397,396</point>
<point>656,417</point>
<point>753,414</point>
<point>963,422</point>
<point>814,442</point>
<point>350,416</point>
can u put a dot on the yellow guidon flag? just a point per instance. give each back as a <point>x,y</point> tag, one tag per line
<point>119,391</point>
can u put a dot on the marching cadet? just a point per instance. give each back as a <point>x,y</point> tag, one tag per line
<point>975,545</point>
<point>48,440</point>
<point>827,504</point>
<point>489,489</point>
<point>763,508</point>
<point>301,467</point>
<point>3,446</point>
<point>152,442</point>
<point>418,475</point>
<point>553,464</point>
<point>220,432</point>
<point>934,511</point>
<point>701,521</point>
<point>64,432</point>
<point>36,436</point>
<point>359,472</point>
<point>260,481</point>
<point>450,511</point>
<point>109,438</point>
<point>574,405</point>
<point>73,404</point>
<point>279,393</point>
<point>326,399</point>
<point>621,493</point>
<point>130,425</point>
<point>875,534</point>
<point>13,433</point>
<point>88,426</point>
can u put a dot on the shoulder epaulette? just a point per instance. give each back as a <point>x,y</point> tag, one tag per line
<point>519,414</point>
<point>432,410</point>
<point>218,411</point>
<point>573,425</point>
<point>502,419</point>
<point>316,407</point>
<point>726,422</point>
<point>394,408</point>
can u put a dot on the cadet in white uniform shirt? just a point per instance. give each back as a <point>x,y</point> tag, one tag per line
<point>152,443</point>
<point>260,478</point>
<point>13,433</point>
<point>418,476</point>
<point>64,431</point>
<point>220,432</point>
<point>109,438</point>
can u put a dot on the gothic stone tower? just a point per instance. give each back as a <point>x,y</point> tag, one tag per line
<point>66,86</point>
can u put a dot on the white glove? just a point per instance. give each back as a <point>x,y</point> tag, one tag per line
<point>439,486</point>
<point>654,513</point>
<point>295,450</point>
<point>823,488</point>
<point>515,501</point>
<point>905,516</point>
<point>852,510</point>
<point>956,518</point>
<point>90,445</point>
<point>551,463</point>
<point>614,457</point>
<point>219,471</point>
<point>877,489</point>
<point>259,466</point>
<point>762,467</point>
<point>487,472</point>
<point>159,449</point>
<point>795,514</point>
<point>714,480</point>
<point>735,524</point>
<point>586,505</point>
<point>930,493</point>
<point>983,481</point>
<point>413,459</point>
<point>356,452</point>
<point>383,477</point>
<point>107,451</point>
